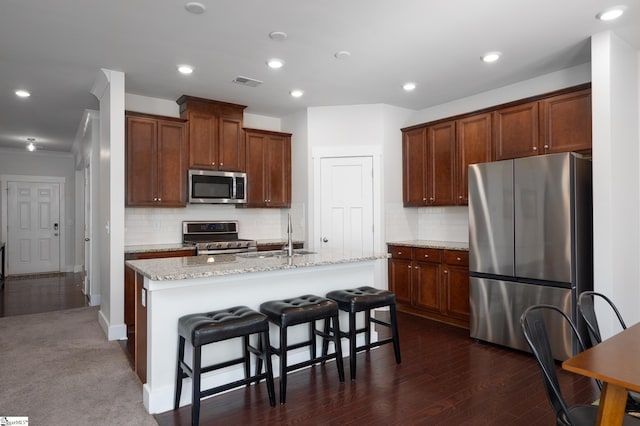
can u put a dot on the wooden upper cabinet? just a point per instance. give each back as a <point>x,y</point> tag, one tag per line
<point>474,146</point>
<point>268,164</point>
<point>203,131</point>
<point>155,161</point>
<point>441,167</point>
<point>516,131</point>
<point>414,155</point>
<point>565,122</point>
<point>436,156</point>
<point>216,141</point>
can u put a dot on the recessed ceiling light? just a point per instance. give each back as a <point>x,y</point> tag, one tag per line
<point>409,86</point>
<point>22,93</point>
<point>611,13</point>
<point>491,57</point>
<point>30,146</point>
<point>275,63</point>
<point>343,54</point>
<point>195,7</point>
<point>296,93</point>
<point>185,69</point>
<point>278,35</point>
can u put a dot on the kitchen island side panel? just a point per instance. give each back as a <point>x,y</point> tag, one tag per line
<point>165,306</point>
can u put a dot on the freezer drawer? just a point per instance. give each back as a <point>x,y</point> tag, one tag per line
<point>496,307</point>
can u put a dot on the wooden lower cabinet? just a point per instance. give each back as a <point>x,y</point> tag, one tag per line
<point>133,303</point>
<point>431,282</point>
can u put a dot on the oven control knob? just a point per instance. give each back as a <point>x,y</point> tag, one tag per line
<point>219,245</point>
<point>238,245</point>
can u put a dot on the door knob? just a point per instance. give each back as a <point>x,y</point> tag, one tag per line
<point>86,239</point>
<point>324,240</point>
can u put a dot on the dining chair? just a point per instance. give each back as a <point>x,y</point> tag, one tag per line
<point>534,328</point>
<point>586,306</point>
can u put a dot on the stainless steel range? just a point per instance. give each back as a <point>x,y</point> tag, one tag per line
<point>215,237</point>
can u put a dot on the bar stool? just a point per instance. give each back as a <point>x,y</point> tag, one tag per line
<point>305,309</point>
<point>364,299</point>
<point>215,326</point>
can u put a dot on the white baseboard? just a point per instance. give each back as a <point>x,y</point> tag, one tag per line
<point>113,332</point>
<point>94,300</point>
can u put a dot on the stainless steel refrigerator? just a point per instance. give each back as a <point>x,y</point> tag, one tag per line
<point>530,242</point>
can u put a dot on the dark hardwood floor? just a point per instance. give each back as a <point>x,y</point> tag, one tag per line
<point>445,378</point>
<point>32,294</point>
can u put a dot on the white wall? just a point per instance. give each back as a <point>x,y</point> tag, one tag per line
<point>108,229</point>
<point>616,191</point>
<point>24,163</point>
<point>297,124</point>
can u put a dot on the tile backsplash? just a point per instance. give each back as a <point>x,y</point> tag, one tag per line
<point>164,226</point>
<point>443,223</point>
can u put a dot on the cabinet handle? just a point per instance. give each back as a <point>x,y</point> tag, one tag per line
<point>409,266</point>
<point>399,253</point>
<point>446,272</point>
<point>430,198</point>
<point>155,199</point>
<point>213,164</point>
<point>426,255</point>
<point>460,197</point>
<point>222,164</point>
<point>159,199</point>
<point>535,148</point>
<point>546,147</point>
<point>458,259</point>
<point>424,199</point>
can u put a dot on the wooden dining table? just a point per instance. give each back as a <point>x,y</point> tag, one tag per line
<point>615,362</point>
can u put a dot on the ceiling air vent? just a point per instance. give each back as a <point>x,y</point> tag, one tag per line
<point>246,81</point>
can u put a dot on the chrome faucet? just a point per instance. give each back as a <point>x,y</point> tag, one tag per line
<point>289,246</point>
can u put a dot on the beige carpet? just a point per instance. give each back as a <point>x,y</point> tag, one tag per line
<point>57,368</point>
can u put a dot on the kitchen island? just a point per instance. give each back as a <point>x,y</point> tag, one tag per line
<point>167,289</point>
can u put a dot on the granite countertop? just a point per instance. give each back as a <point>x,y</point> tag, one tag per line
<point>147,248</point>
<point>276,241</point>
<point>451,245</point>
<point>179,268</point>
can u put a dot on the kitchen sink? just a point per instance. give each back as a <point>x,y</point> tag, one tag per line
<point>270,254</point>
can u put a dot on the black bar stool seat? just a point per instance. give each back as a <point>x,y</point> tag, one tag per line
<point>364,299</point>
<point>305,309</point>
<point>215,326</point>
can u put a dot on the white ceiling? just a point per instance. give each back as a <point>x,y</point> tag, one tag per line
<point>54,49</point>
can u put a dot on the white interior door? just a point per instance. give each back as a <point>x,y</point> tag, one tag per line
<point>347,204</point>
<point>87,232</point>
<point>33,227</point>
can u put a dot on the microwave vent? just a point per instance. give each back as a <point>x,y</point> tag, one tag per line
<point>246,81</point>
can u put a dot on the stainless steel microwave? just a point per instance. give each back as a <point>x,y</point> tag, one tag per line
<point>214,187</point>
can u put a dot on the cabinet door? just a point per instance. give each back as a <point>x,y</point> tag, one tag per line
<point>426,282</point>
<point>278,170</point>
<point>171,164</point>
<point>400,280</point>
<point>516,131</point>
<point>414,155</point>
<point>456,284</point>
<point>474,146</point>
<point>141,161</point>
<point>203,140</point>
<point>231,145</point>
<point>256,179</point>
<point>566,122</point>
<point>441,148</point>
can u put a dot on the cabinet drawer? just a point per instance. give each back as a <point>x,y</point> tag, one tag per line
<point>456,257</point>
<point>428,255</point>
<point>400,252</point>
